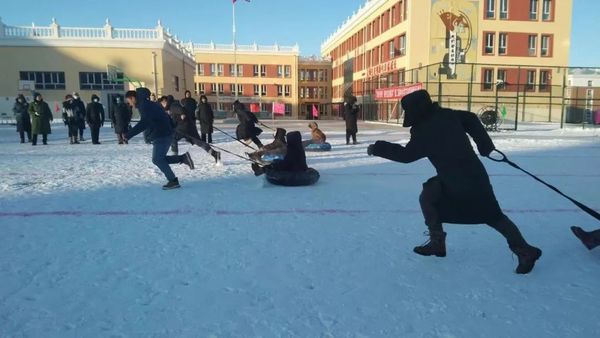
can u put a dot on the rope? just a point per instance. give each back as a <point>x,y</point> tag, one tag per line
<point>235,138</point>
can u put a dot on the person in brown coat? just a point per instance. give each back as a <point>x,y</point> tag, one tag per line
<point>317,136</point>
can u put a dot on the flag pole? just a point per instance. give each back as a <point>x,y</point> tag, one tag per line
<point>235,53</point>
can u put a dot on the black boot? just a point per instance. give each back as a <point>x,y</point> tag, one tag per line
<point>436,246</point>
<point>71,141</point>
<point>187,160</point>
<point>174,184</point>
<point>591,240</point>
<point>527,257</point>
<point>258,170</point>
<point>216,155</point>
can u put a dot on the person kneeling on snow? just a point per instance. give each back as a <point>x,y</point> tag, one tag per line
<point>277,148</point>
<point>590,239</point>
<point>294,160</point>
<point>317,136</point>
<point>461,192</point>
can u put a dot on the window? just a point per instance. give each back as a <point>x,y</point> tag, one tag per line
<point>504,9</point>
<point>221,89</point>
<point>392,49</point>
<point>392,16</point>
<point>220,70</point>
<point>545,45</point>
<point>533,9</point>
<point>489,43</point>
<point>99,81</point>
<point>256,90</point>
<point>501,84</point>
<point>176,83</point>
<point>263,90</point>
<point>544,77</point>
<point>490,13</point>
<point>263,70</point>
<point>288,109</point>
<point>200,88</point>
<point>321,93</point>
<point>590,83</point>
<point>255,70</point>
<point>301,75</point>
<point>48,80</point>
<point>213,69</point>
<point>532,45</point>
<point>279,90</point>
<point>213,87</point>
<point>402,45</point>
<point>547,10</point>
<point>200,69</point>
<point>301,92</point>
<point>589,93</point>
<point>288,71</point>
<point>530,80</point>
<point>232,70</point>
<point>502,43</point>
<point>280,71</point>
<point>287,90</point>
<point>488,79</point>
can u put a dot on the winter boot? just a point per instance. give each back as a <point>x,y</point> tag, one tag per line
<point>436,246</point>
<point>527,257</point>
<point>216,155</point>
<point>590,239</point>
<point>71,140</point>
<point>258,170</point>
<point>187,160</point>
<point>75,140</point>
<point>174,184</point>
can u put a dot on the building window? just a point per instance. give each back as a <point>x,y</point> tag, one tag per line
<point>501,83</point>
<point>321,95</point>
<point>256,90</point>
<point>301,92</point>
<point>255,70</point>
<point>279,71</point>
<point>503,9</point>
<point>213,88</point>
<point>288,71</point>
<point>263,90</point>
<point>200,69</point>
<point>589,93</point>
<point>301,75</point>
<point>502,43</point>
<point>176,83</point>
<point>279,90</point>
<point>402,45</point>
<point>489,43</point>
<point>221,89</point>
<point>490,12</point>
<point>530,80</point>
<point>213,69</point>
<point>488,79</point>
<point>288,109</point>
<point>232,70</point>
<point>392,49</point>
<point>47,80</point>
<point>200,88</point>
<point>547,10</point>
<point>545,45</point>
<point>263,70</point>
<point>220,70</point>
<point>287,90</point>
<point>544,77</point>
<point>532,45</point>
<point>590,83</point>
<point>99,81</point>
<point>533,9</point>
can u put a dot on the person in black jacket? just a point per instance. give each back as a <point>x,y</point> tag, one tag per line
<point>94,117</point>
<point>590,239</point>
<point>351,110</point>
<point>70,118</point>
<point>120,115</point>
<point>247,129</point>
<point>294,160</point>
<point>21,112</point>
<point>159,130</point>
<point>461,192</point>
<point>206,117</point>
<point>80,113</point>
<point>185,127</point>
<point>190,104</point>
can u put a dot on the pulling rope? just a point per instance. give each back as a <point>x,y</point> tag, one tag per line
<point>235,138</point>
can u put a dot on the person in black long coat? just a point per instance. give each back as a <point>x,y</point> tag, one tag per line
<point>206,117</point>
<point>70,119</point>
<point>294,160</point>
<point>190,104</point>
<point>461,192</point>
<point>21,112</point>
<point>351,110</point>
<point>246,129</point>
<point>120,115</point>
<point>80,112</point>
<point>95,118</point>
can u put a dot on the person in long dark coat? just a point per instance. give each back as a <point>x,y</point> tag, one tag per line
<point>21,112</point>
<point>461,192</point>
<point>120,115</point>
<point>294,160</point>
<point>80,112</point>
<point>94,117</point>
<point>246,129</point>
<point>206,117</point>
<point>590,239</point>
<point>185,127</point>
<point>351,110</point>
<point>41,116</point>
<point>70,119</point>
<point>190,104</point>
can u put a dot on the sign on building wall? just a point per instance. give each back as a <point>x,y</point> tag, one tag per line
<point>396,93</point>
<point>454,27</point>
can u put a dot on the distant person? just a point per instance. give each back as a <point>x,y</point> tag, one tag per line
<point>95,118</point>
<point>246,129</point>
<point>206,116</point>
<point>21,112</point>
<point>158,125</point>
<point>120,115</point>
<point>80,113</point>
<point>590,239</point>
<point>317,136</point>
<point>351,110</point>
<point>190,104</point>
<point>70,119</point>
<point>41,116</point>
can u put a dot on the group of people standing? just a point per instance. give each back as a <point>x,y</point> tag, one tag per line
<point>33,119</point>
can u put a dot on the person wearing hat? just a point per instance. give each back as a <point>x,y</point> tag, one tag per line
<point>461,192</point>
<point>41,116</point>
<point>94,116</point>
<point>79,108</point>
<point>21,111</point>
<point>120,115</point>
<point>246,129</point>
<point>70,118</point>
<point>351,110</point>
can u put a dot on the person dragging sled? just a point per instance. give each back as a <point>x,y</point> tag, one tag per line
<point>120,115</point>
<point>277,148</point>
<point>185,127</point>
<point>21,112</point>
<point>590,239</point>
<point>247,129</point>
<point>206,116</point>
<point>159,131</point>
<point>294,160</point>
<point>461,192</point>
<point>70,119</point>
<point>94,116</point>
<point>351,110</point>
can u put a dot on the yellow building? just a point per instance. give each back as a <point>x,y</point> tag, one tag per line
<point>468,53</point>
<point>57,60</point>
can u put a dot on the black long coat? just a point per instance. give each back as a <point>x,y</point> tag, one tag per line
<point>94,113</point>
<point>21,111</point>
<point>190,104</point>
<point>247,128</point>
<point>351,116</point>
<point>120,116</point>
<point>185,125</point>
<point>80,112</point>
<point>206,117</point>
<point>441,136</point>
<point>295,158</point>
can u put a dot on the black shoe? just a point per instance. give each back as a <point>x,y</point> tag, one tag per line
<point>45,143</point>
<point>216,155</point>
<point>174,184</point>
<point>584,237</point>
<point>22,140</point>
<point>81,139</point>
<point>258,170</point>
<point>435,246</point>
<point>187,160</point>
<point>527,258</point>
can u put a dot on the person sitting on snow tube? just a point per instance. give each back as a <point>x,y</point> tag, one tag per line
<point>292,170</point>
<point>275,150</point>
<point>317,141</point>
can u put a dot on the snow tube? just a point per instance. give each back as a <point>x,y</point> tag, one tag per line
<point>318,147</point>
<point>293,178</point>
<point>271,157</point>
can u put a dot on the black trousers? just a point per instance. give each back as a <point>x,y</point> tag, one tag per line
<point>95,131</point>
<point>35,138</point>
<point>350,134</point>
<point>432,194</point>
<point>22,135</point>
<point>256,141</point>
<point>192,139</point>
<point>206,137</point>
<point>73,128</point>
<point>81,129</point>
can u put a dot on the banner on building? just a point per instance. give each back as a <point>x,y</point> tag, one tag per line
<point>396,93</point>
<point>315,111</point>
<point>278,108</point>
<point>254,108</point>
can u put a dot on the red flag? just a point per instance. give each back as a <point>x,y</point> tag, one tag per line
<point>254,108</point>
<point>278,108</point>
<point>56,107</point>
<point>315,111</point>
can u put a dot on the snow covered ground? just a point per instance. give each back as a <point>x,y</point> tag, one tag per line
<point>90,246</point>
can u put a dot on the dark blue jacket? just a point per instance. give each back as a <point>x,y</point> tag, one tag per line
<point>153,119</point>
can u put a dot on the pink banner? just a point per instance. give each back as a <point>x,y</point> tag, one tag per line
<point>396,93</point>
<point>278,108</point>
<point>315,111</point>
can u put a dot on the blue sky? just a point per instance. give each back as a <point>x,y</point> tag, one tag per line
<point>286,22</point>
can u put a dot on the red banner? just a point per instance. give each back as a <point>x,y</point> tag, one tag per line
<point>396,93</point>
<point>254,108</point>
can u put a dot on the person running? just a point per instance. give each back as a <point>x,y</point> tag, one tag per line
<point>246,129</point>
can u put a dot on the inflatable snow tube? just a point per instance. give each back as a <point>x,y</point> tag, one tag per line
<point>293,179</point>
<point>318,147</point>
<point>271,157</point>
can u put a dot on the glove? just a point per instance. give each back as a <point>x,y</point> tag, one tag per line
<point>371,150</point>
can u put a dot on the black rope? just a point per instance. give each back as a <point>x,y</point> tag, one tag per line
<point>582,206</point>
<point>236,155</point>
<point>264,125</point>
<point>235,138</point>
